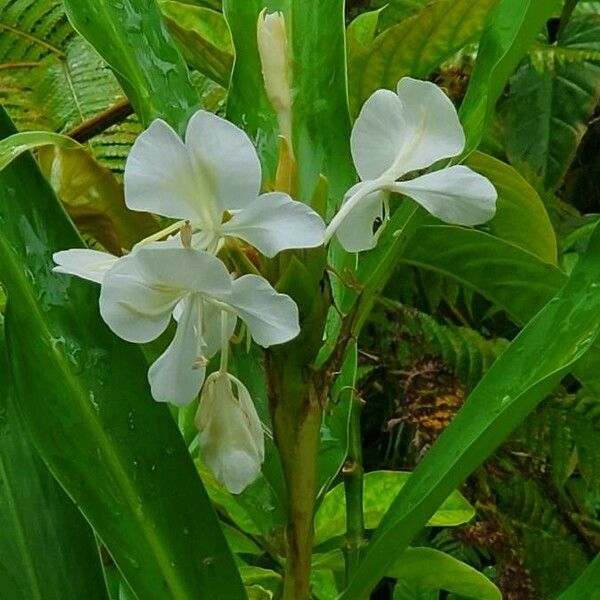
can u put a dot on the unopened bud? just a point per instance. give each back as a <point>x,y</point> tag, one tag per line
<point>274,59</point>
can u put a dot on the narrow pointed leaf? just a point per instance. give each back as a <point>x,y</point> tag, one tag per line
<point>535,362</point>
<point>47,549</point>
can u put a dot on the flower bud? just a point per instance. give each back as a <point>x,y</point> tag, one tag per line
<point>274,59</point>
<point>231,435</point>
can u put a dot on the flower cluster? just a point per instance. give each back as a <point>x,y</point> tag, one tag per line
<point>209,184</point>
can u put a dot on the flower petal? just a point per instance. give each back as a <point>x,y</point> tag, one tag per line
<point>182,268</point>
<point>378,134</point>
<point>175,376</point>
<point>455,195</point>
<point>274,222</point>
<point>159,177</point>
<point>131,306</point>
<point>227,444</point>
<point>433,130</point>
<point>272,318</point>
<point>87,264</point>
<point>226,164</point>
<point>355,233</point>
<point>252,418</point>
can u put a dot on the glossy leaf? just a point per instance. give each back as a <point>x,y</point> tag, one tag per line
<point>416,46</point>
<point>132,38</point>
<point>14,145</point>
<point>516,280</point>
<point>380,488</point>
<point>429,570</point>
<point>521,217</point>
<point>203,37</point>
<point>534,363</point>
<point>509,31</point>
<point>47,549</point>
<point>117,452</point>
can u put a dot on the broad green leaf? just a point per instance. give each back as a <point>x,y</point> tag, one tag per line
<point>509,31</point>
<point>132,38</point>
<point>551,102</point>
<point>430,569</point>
<point>426,570</point>
<point>416,46</point>
<point>380,488</point>
<point>94,198</point>
<point>203,37</point>
<point>395,11</point>
<point>47,549</point>
<point>116,451</point>
<point>534,363</point>
<point>521,217</point>
<point>516,280</point>
<point>14,145</point>
<point>587,585</point>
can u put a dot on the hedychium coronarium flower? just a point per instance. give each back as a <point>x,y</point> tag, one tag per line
<point>397,134</point>
<point>212,180</point>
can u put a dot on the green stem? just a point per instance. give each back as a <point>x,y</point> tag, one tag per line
<point>352,473</point>
<point>296,413</point>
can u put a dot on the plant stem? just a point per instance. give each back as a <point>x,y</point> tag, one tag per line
<point>352,473</point>
<point>98,123</point>
<point>296,412</point>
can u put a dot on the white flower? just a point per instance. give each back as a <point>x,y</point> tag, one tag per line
<point>216,170</point>
<point>141,292</point>
<point>87,264</point>
<point>231,436</point>
<point>396,134</point>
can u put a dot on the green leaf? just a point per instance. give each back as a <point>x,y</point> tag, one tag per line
<point>516,280</point>
<point>47,549</point>
<point>132,38</point>
<point>521,217</point>
<point>426,569</point>
<point>380,488</point>
<point>587,585</point>
<point>117,453</point>
<point>416,46</point>
<point>509,31</point>
<point>14,145</point>
<point>534,363</point>
<point>203,37</point>
<point>430,569</point>
<point>551,103</point>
